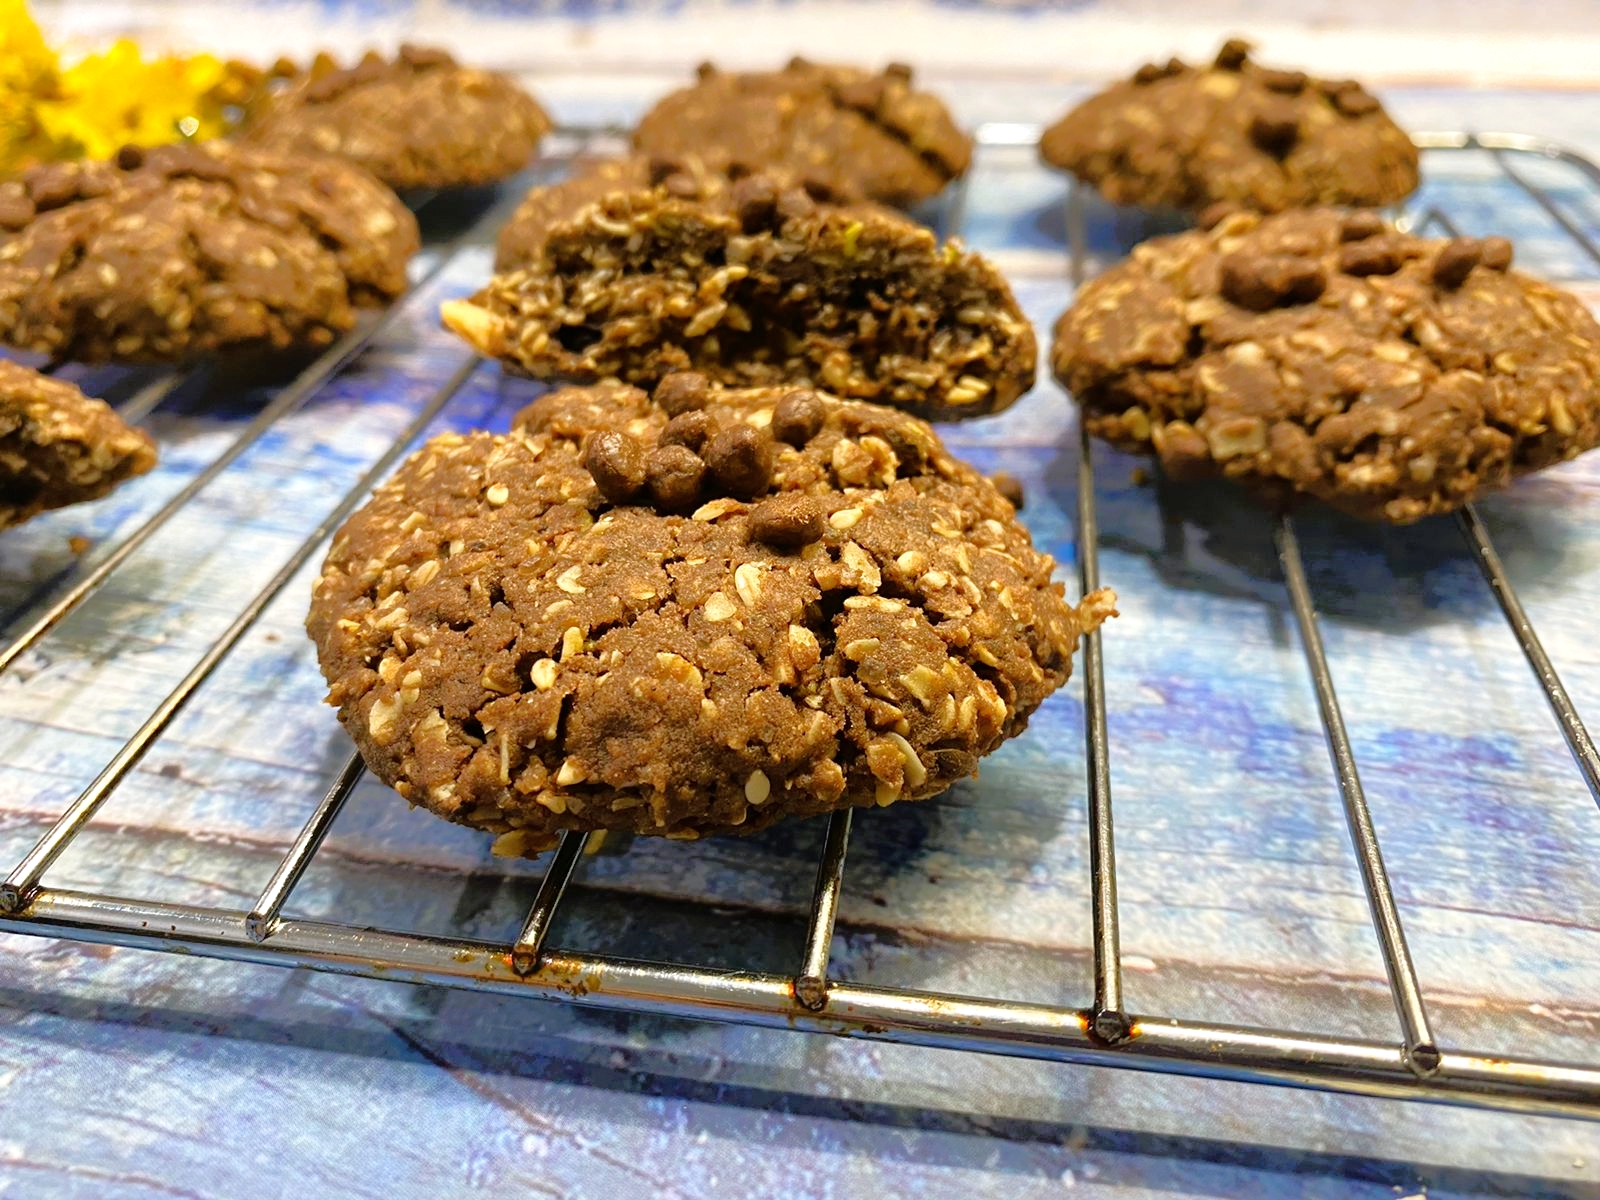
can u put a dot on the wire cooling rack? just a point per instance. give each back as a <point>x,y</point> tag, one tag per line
<point>1102,1032</point>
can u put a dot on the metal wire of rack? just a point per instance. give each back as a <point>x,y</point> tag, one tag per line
<point>1102,1032</point>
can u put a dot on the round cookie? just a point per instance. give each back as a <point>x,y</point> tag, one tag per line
<point>721,609</point>
<point>841,131</point>
<point>1259,138</point>
<point>60,447</point>
<point>1324,354</point>
<point>188,249</point>
<point>757,284</point>
<point>419,120</point>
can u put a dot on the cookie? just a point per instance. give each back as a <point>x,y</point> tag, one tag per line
<point>756,285</point>
<point>1315,353</point>
<point>844,132</point>
<point>522,238</point>
<point>1186,137</point>
<point>418,121</point>
<point>691,616</point>
<point>60,447</point>
<point>184,250</point>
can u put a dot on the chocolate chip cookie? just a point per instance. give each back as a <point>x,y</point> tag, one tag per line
<point>184,250</point>
<point>1324,354</point>
<point>60,447</point>
<point>757,284</point>
<point>687,616</point>
<point>844,132</point>
<point>420,120</point>
<point>1186,137</point>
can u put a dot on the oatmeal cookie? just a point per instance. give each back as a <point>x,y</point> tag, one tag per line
<point>758,285</point>
<point>60,447</point>
<point>419,120</point>
<point>1265,139</point>
<point>684,616</point>
<point>183,250</point>
<point>1324,354</point>
<point>846,133</point>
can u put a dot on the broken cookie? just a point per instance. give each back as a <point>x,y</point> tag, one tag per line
<point>756,284</point>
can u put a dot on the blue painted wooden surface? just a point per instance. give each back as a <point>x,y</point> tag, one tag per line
<point>128,1073</point>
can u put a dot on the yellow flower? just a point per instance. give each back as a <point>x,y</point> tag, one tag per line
<point>28,70</point>
<point>115,98</point>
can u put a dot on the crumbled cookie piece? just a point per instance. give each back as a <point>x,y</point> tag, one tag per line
<point>858,300</point>
<point>517,652</point>
<point>183,250</point>
<point>1326,354</point>
<point>420,120</point>
<point>60,447</point>
<point>1235,132</point>
<point>845,133</point>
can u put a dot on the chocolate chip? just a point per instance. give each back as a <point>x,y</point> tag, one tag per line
<point>617,463</point>
<point>1304,280</point>
<point>1009,486</point>
<point>1291,83</point>
<point>796,202</point>
<point>798,64</point>
<point>689,429</point>
<point>682,185</point>
<point>1354,101</point>
<point>420,58</point>
<point>1496,253</point>
<point>673,475</point>
<point>899,70</point>
<point>130,158</point>
<point>740,460</point>
<point>1261,283</point>
<point>1455,261</point>
<point>1148,73</point>
<point>1216,213</point>
<point>681,391</point>
<point>1233,54</point>
<point>1358,225</point>
<point>754,201</point>
<point>1370,256</point>
<point>788,521</point>
<point>863,95</point>
<point>1276,129</point>
<point>705,71</point>
<point>16,210</point>
<point>798,417</point>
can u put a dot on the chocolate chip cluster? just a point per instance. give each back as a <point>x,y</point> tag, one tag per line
<point>695,459</point>
<point>1368,246</point>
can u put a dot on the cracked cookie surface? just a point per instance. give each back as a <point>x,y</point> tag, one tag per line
<point>757,284</point>
<point>1235,132</point>
<point>1325,354</point>
<point>60,447</point>
<point>685,617</point>
<point>419,120</point>
<point>184,250</point>
<point>848,133</point>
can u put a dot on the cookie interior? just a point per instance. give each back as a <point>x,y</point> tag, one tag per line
<point>867,305</point>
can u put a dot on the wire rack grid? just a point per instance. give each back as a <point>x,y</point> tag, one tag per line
<point>1102,1032</point>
